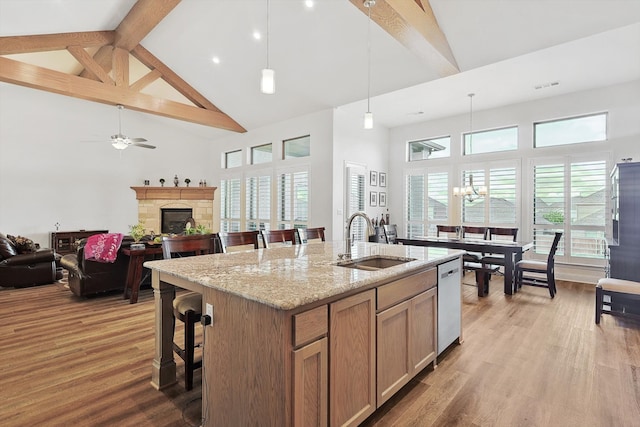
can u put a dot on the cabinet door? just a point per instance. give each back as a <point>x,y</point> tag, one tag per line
<point>352,359</point>
<point>310,375</point>
<point>393,343</point>
<point>424,326</point>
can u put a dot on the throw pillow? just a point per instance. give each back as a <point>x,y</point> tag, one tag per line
<point>22,244</point>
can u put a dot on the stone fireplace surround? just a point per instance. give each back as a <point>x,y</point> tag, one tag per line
<point>152,199</point>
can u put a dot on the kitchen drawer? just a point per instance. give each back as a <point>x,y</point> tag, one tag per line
<point>310,325</point>
<point>403,289</point>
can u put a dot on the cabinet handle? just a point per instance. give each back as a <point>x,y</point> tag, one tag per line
<point>449,273</point>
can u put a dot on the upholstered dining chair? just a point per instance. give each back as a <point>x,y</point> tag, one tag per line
<point>498,233</point>
<point>306,234</point>
<point>447,230</point>
<point>248,239</point>
<point>187,307</point>
<point>279,237</point>
<point>545,270</point>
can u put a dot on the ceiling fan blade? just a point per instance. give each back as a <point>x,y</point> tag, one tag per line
<point>137,140</point>
<point>138,144</point>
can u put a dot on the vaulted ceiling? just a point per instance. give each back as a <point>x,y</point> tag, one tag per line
<point>156,56</point>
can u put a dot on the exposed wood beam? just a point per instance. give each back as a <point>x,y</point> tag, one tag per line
<point>48,42</point>
<point>141,19</point>
<point>414,26</point>
<point>32,76</point>
<point>89,63</point>
<point>145,80</point>
<point>121,67</point>
<point>102,57</point>
<point>150,61</point>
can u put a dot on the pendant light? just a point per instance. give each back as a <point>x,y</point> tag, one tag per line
<point>368,116</point>
<point>470,192</point>
<point>268,80</point>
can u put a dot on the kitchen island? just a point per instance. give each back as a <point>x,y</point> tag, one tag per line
<point>297,339</point>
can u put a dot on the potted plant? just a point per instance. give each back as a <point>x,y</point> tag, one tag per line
<point>161,182</point>
<point>137,232</point>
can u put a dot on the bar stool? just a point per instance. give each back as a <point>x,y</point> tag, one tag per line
<point>187,307</point>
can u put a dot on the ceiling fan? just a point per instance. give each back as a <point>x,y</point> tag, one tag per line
<point>120,141</point>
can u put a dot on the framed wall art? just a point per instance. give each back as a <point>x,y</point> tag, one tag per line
<point>373,178</point>
<point>373,199</point>
<point>382,179</point>
<point>382,199</point>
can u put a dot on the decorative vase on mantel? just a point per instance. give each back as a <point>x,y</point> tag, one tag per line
<point>176,181</point>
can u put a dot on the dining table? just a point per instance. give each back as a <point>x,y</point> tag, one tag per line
<point>511,250</point>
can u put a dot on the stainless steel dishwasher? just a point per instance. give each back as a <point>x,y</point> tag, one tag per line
<point>449,303</point>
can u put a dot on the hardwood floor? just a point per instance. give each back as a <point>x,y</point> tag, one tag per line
<point>526,360</point>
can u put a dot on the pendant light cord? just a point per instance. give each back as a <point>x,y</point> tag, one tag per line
<point>369,62</point>
<point>268,25</point>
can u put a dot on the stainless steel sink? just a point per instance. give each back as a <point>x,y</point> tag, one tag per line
<point>374,262</point>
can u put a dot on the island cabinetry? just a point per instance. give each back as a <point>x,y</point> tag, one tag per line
<point>407,331</point>
<point>352,359</point>
<point>310,368</point>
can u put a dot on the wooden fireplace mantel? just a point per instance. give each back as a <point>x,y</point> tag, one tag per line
<point>174,193</point>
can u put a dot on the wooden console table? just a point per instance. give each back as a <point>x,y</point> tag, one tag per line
<point>64,242</point>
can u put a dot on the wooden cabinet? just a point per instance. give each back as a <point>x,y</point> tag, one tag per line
<point>352,359</point>
<point>65,242</point>
<point>310,368</point>
<point>625,209</point>
<point>406,332</point>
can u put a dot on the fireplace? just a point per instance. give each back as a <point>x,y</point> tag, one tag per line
<point>190,202</point>
<point>173,220</point>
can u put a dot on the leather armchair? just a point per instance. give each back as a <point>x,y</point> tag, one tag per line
<point>88,277</point>
<point>29,269</point>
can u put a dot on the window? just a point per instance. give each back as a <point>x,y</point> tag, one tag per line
<point>570,196</point>
<point>434,148</point>
<point>261,154</point>
<point>258,202</point>
<point>293,199</point>
<point>500,206</point>
<point>574,130</point>
<point>427,202</point>
<point>356,199</point>
<point>232,159</point>
<point>490,141</point>
<point>296,147</point>
<point>230,205</point>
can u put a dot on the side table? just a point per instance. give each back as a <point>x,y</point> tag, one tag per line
<point>134,271</point>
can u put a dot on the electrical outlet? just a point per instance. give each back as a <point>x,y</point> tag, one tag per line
<point>209,312</point>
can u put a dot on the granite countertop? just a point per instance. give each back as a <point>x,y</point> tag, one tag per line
<point>289,277</point>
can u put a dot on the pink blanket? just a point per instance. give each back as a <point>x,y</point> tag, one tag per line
<point>103,247</point>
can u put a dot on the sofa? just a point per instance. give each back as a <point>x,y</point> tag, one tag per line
<point>26,266</point>
<point>88,277</point>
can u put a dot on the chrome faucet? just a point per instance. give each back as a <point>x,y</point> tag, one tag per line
<point>370,231</point>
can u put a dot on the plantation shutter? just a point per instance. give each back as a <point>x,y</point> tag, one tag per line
<point>230,205</point>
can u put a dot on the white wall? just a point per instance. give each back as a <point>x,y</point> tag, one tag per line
<point>356,145</point>
<point>622,102</point>
<point>48,173</point>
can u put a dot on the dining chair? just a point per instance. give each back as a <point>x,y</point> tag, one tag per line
<point>248,239</point>
<point>544,269</point>
<point>390,233</point>
<point>447,230</point>
<point>282,237</point>
<point>498,233</point>
<point>306,234</point>
<point>187,307</point>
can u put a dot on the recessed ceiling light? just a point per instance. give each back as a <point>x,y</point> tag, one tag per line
<point>215,60</point>
<point>257,35</point>
<point>309,4</point>
<point>415,113</point>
